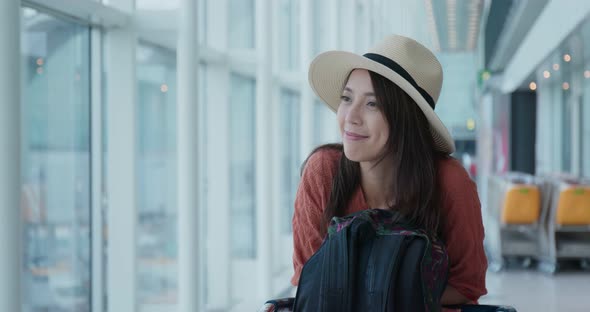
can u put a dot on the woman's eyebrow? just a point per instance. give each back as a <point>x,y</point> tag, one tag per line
<point>366,93</point>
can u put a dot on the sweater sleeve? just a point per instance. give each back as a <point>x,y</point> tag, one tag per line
<point>312,195</point>
<point>464,231</point>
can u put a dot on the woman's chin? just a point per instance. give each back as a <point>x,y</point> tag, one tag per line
<point>353,154</point>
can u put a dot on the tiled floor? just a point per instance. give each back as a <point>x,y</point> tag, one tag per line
<point>534,291</point>
<point>527,290</point>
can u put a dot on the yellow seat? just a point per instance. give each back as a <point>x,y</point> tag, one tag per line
<point>522,205</point>
<point>573,207</point>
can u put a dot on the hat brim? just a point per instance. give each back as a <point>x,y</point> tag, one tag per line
<point>329,71</point>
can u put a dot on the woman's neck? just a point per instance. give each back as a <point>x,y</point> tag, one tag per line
<point>377,183</point>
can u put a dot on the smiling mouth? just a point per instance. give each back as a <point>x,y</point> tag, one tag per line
<point>354,136</point>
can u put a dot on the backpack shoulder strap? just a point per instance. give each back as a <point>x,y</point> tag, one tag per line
<point>336,273</point>
<point>380,282</point>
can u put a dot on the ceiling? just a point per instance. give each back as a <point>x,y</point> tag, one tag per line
<point>454,24</point>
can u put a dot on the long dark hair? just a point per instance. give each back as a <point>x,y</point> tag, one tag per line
<point>410,142</point>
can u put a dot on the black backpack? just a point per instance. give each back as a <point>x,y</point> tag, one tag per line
<point>371,261</point>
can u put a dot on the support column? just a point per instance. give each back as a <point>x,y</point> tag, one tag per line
<point>306,53</point>
<point>585,131</point>
<point>577,85</point>
<point>120,65</point>
<point>97,176</point>
<point>10,116</point>
<point>217,166</point>
<point>190,292</point>
<point>217,239</point>
<point>264,149</point>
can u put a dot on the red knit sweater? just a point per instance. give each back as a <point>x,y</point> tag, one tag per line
<point>463,230</point>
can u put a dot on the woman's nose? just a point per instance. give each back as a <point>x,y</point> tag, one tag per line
<point>353,115</point>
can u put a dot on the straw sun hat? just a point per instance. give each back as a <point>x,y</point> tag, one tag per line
<point>405,62</point>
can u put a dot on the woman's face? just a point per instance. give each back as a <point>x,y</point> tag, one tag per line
<point>363,126</point>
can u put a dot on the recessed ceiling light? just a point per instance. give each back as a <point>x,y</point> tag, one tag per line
<point>533,86</point>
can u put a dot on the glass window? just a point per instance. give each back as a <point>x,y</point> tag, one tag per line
<point>242,166</point>
<point>566,134</point>
<point>566,117</point>
<point>554,102</point>
<point>202,165</point>
<point>320,14</point>
<point>203,20</point>
<point>584,123</point>
<point>289,151</point>
<point>585,102</point>
<point>241,24</point>
<point>156,179</point>
<point>56,164</point>
<point>557,122</point>
<point>362,26</point>
<point>325,124</point>
<point>157,5</point>
<point>289,34</point>
<point>585,130</point>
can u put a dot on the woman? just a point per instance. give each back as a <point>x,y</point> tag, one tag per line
<point>394,155</point>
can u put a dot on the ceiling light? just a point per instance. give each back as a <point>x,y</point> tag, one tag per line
<point>474,23</point>
<point>546,74</point>
<point>533,86</point>
<point>587,74</point>
<point>164,88</point>
<point>28,12</point>
<point>432,25</point>
<point>565,86</point>
<point>451,22</point>
<point>470,124</point>
<point>567,57</point>
<point>555,66</point>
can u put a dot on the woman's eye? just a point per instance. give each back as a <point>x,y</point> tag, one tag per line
<point>345,98</point>
<point>372,104</point>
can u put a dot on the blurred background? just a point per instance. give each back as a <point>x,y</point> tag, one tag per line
<point>154,147</point>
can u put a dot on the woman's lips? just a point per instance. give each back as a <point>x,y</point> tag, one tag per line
<point>354,136</point>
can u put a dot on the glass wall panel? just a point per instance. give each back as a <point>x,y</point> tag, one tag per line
<point>362,31</point>
<point>289,34</point>
<point>567,103</point>
<point>320,33</point>
<point>242,166</point>
<point>557,122</point>
<point>550,99</point>
<point>564,97</point>
<point>325,124</point>
<point>585,131</point>
<point>202,166</point>
<point>289,153</point>
<point>241,24</point>
<point>156,179</point>
<point>157,5</point>
<point>56,164</point>
<point>202,22</point>
<point>585,103</point>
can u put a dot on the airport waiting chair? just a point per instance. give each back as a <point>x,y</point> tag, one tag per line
<point>567,223</point>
